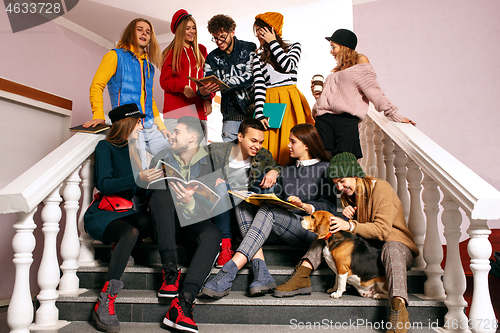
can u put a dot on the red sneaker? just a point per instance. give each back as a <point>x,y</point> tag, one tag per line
<point>225,253</point>
<point>170,285</point>
<point>180,315</point>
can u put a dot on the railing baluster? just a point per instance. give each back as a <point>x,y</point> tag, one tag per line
<point>481,315</point>
<point>362,140</point>
<point>20,311</point>
<point>416,222</point>
<point>70,244</point>
<point>454,276</point>
<point>370,168</point>
<point>377,142</point>
<point>433,250</point>
<point>86,257</point>
<point>389,160</point>
<point>47,315</point>
<point>400,166</point>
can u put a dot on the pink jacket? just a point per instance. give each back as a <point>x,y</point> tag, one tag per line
<point>350,90</point>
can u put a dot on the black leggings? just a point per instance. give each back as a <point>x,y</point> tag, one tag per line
<point>125,233</point>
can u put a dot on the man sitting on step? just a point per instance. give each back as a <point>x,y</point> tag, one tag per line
<point>178,217</point>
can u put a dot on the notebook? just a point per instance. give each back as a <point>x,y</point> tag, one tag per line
<point>275,113</point>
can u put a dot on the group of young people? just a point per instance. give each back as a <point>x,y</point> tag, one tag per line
<point>294,161</point>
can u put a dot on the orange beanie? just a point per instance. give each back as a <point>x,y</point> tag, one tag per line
<point>275,20</point>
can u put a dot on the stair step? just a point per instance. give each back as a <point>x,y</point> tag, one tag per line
<point>147,253</point>
<point>237,308</point>
<point>149,277</point>
<point>87,327</point>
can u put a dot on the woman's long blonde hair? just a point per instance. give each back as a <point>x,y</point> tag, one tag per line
<point>177,46</point>
<point>360,199</point>
<point>128,39</point>
<point>346,58</point>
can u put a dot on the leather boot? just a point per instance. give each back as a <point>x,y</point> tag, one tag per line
<point>104,311</point>
<point>298,283</point>
<point>399,321</point>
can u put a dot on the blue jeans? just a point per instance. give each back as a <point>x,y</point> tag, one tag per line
<point>230,130</point>
<point>152,141</point>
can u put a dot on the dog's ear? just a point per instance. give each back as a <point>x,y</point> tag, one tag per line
<point>323,225</point>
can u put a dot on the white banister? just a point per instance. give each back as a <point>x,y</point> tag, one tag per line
<point>416,222</point>
<point>454,277</point>
<point>47,315</point>
<point>400,170</point>
<point>22,196</point>
<point>387,150</point>
<point>377,144</point>
<point>462,189</point>
<point>20,311</point>
<point>362,139</point>
<point>70,244</point>
<point>370,149</point>
<point>86,257</point>
<point>479,249</point>
<point>433,250</point>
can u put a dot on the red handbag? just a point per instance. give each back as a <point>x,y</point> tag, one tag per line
<point>113,203</point>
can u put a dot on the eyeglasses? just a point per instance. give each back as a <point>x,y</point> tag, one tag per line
<point>221,39</point>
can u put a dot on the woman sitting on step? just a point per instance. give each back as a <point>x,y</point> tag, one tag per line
<point>104,220</point>
<point>303,183</point>
<point>374,212</point>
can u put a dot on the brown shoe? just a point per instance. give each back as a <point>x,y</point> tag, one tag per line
<point>298,283</point>
<point>399,321</point>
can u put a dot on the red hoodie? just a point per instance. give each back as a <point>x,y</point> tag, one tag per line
<point>176,104</point>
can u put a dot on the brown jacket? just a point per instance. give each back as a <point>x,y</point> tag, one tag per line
<point>387,222</point>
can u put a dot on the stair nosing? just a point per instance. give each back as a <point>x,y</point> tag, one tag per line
<point>241,298</point>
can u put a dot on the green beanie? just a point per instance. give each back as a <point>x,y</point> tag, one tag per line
<point>345,165</point>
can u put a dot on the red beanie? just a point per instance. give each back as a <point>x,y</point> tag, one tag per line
<point>179,15</point>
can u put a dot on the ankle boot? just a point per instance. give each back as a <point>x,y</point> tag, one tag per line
<point>221,284</point>
<point>399,321</point>
<point>104,311</point>
<point>263,281</point>
<point>298,283</point>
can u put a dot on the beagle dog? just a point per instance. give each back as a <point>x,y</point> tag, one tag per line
<point>352,258</point>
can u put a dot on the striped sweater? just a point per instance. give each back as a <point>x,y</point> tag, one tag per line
<point>350,90</point>
<point>265,76</point>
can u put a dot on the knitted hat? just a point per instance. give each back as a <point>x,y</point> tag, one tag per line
<point>179,15</point>
<point>275,20</point>
<point>344,165</point>
<point>344,37</point>
<point>124,111</point>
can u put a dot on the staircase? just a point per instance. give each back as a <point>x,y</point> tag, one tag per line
<point>138,303</point>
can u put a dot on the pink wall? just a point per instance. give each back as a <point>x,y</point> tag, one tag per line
<point>436,60</point>
<point>54,59</point>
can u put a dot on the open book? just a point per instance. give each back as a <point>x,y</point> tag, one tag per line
<point>259,199</point>
<point>203,194</point>
<point>210,79</point>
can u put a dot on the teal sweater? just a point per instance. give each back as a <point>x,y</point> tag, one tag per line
<point>112,175</point>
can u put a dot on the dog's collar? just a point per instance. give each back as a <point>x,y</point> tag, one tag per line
<point>327,236</point>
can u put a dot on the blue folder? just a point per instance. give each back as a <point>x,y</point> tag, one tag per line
<point>275,112</point>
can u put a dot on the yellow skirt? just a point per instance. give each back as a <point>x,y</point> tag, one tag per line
<point>297,112</point>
